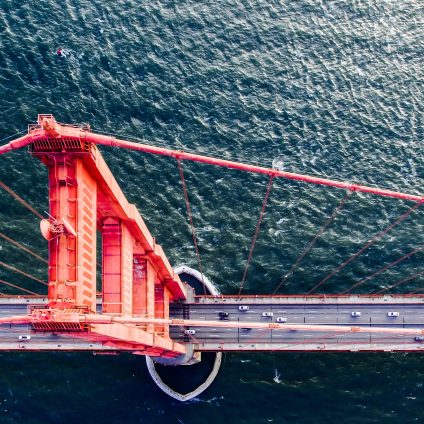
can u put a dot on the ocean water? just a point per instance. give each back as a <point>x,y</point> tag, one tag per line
<point>330,88</point>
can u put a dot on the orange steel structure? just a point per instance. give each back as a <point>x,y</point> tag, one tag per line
<point>137,279</point>
<point>49,131</point>
<point>138,282</point>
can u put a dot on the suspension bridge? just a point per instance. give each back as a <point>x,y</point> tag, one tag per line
<point>145,306</point>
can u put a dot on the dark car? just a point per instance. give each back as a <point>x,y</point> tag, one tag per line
<point>224,315</point>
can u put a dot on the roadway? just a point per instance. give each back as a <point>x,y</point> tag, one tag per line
<point>10,334</point>
<point>324,311</point>
<point>411,315</point>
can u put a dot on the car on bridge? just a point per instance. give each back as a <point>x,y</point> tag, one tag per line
<point>243,307</point>
<point>189,332</point>
<point>224,315</point>
<point>267,314</point>
<point>356,314</point>
<point>392,314</point>
<point>419,339</point>
<point>24,337</point>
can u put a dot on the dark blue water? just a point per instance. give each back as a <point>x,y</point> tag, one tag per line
<point>330,88</point>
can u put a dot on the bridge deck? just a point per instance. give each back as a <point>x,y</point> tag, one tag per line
<point>328,310</point>
<point>335,310</point>
<point>9,335</point>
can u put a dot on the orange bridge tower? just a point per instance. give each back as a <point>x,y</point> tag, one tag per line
<point>137,279</point>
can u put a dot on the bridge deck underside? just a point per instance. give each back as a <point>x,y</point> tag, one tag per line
<point>331,311</point>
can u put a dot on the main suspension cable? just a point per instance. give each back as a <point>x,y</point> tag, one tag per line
<point>257,229</point>
<point>315,238</point>
<point>18,287</point>
<point>19,199</point>
<point>383,269</point>
<point>22,272</point>
<point>20,246</point>
<point>190,217</point>
<point>372,241</point>
<point>399,282</point>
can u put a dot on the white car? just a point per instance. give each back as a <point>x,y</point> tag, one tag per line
<point>356,314</point>
<point>243,308</point>
<point>267,314</point>
<point>24,337</point>
<point>392,314</point>
<point>189,332</point>
<point>281,319</point>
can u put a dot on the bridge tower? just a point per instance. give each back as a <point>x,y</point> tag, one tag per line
<point>139,285</point>
<point>137,278</point>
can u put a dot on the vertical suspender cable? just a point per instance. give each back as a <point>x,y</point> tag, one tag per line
<point>372,241</point>
<point>22,272</point>
<point>381,270</point>
<point>255,236</point>
<point>13,135</point>
<point>190,217</point>
<point>20,246</point>
<point>399,282</point>
<point>314,239</point>
<point>417,291</point>
<point>18,287</point>
<point>20,200</point>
